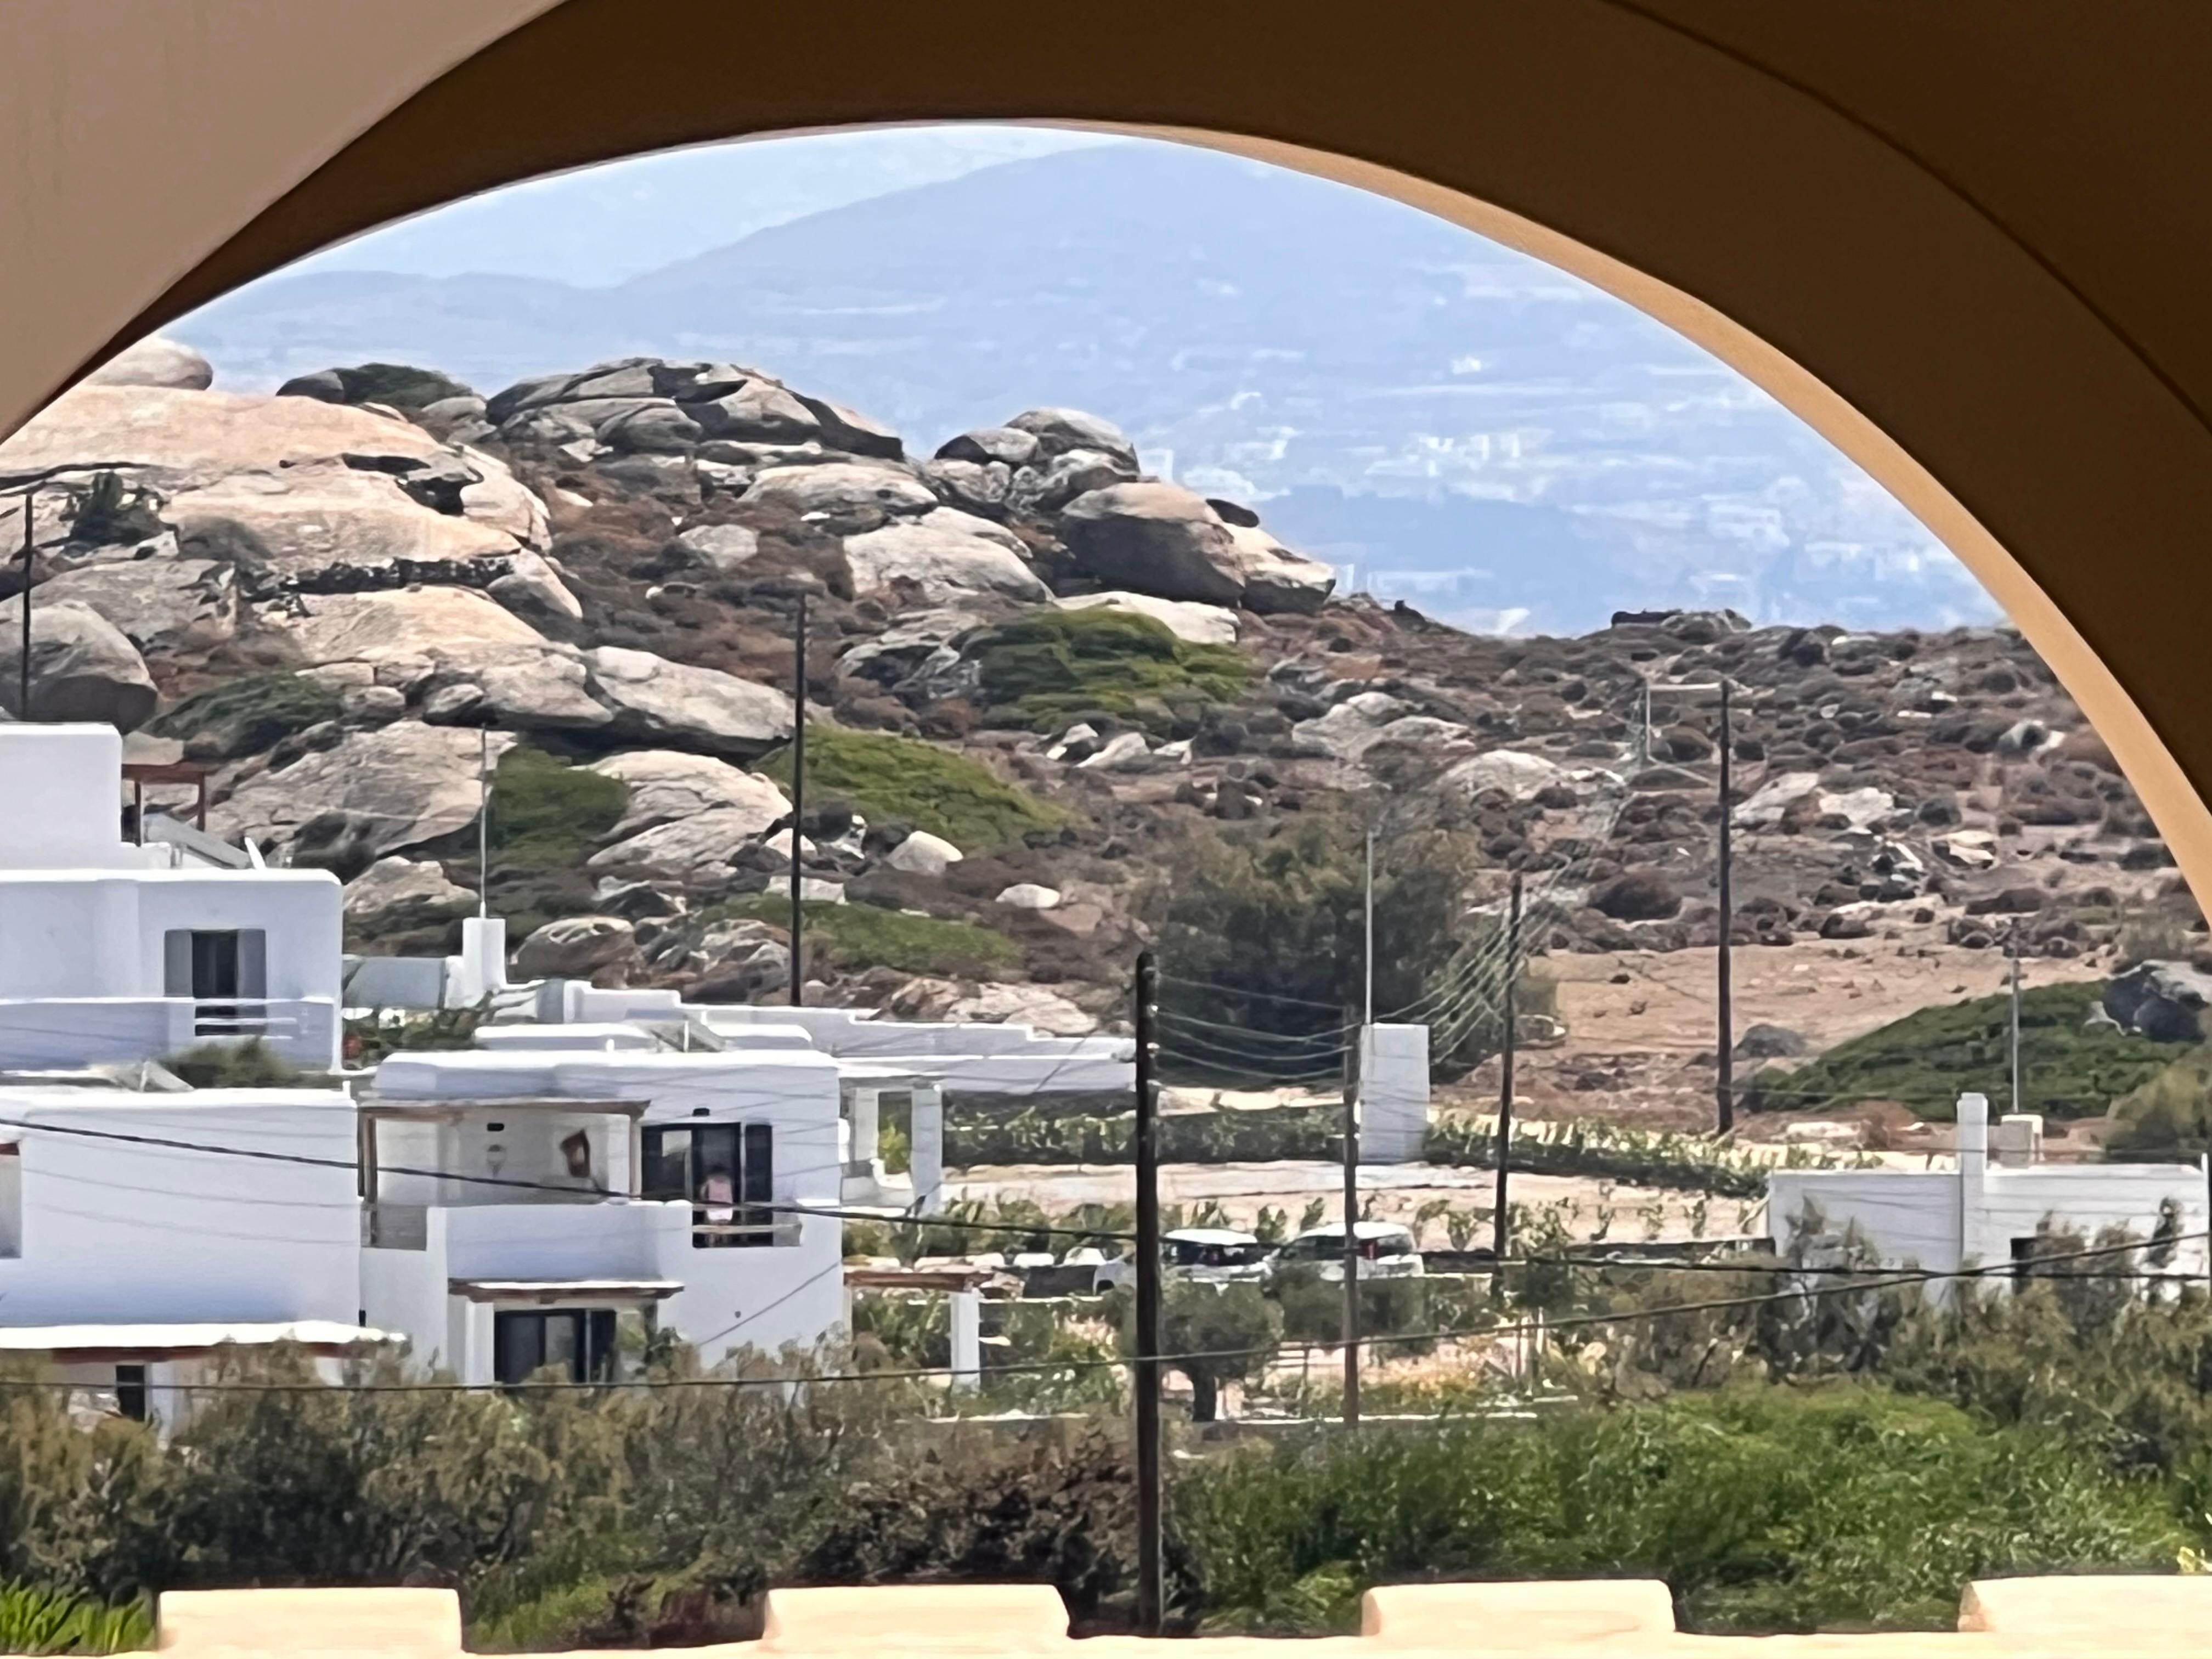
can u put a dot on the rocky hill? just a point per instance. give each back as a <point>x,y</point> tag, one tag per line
<point>1033,673</point>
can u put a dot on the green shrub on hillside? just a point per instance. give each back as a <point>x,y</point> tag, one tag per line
<point>2168,1114</point>
<point>868,936</point>
<point>545,811</point>
<point>398,386</point>
<point>892,779</point>
<point>2069,1068</point>
<point>249,716</point>
<point>1043,669</point>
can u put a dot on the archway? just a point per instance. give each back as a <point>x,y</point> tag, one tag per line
<point>1938,283</point>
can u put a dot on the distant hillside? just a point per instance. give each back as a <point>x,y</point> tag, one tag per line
<point>1258,331</point>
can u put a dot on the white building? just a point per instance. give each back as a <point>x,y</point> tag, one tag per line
<point>525,1201</point>
<point>116,950</point>
<point>1990,1211</point>
<point>124,1263</point>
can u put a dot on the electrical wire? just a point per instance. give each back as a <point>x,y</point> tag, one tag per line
<point>1550,1323</point>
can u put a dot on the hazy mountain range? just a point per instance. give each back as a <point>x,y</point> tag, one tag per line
<point>1456,423</point>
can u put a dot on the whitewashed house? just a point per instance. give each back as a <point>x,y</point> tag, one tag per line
<point>118,950</point>
<point>1996,1208</point>
<point>527,1203</point>
<point>127,1258</point>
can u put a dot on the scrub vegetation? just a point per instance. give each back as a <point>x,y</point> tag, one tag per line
<point>859,936</point>
<point>893,779</point>
<point>2068,1067</point>
<point>1048,668</point>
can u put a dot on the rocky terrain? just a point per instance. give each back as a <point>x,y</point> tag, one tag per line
<point>1031,671</point>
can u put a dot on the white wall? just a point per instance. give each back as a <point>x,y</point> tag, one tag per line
<point>115,1232</point>
<point>764,1296</point>
<point>64,787</point>
<point>1933,1220</point>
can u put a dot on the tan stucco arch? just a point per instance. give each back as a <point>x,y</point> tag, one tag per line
<point>1965,242</point>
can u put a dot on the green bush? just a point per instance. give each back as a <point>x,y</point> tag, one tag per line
<point>546,812</point>
<point>398,386</point>
<point>248,1065</point>
<point>1640,1157</point>
<point>868,936</point>
<point>1764,1509</point>
<point>249,716</point>
<point>2169,1114</point>
<point>890,779</point>
<point>2069,1068</point>
<point>1034,1136</point>
<point>1045,668</point>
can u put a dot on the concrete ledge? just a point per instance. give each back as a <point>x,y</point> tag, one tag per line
<point>2124,1616</point>
<point>311,1621</point>
<point>1554,1612</point>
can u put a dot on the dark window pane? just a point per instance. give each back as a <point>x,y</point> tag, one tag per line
<point>517,1343</point>
<point>131,1392</point>
<point>599,1346</point>
<point>667,1163</point>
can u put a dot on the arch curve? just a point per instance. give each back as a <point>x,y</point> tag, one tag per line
<point>1958,249</point>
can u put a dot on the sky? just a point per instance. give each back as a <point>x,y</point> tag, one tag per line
<point>600,225</point>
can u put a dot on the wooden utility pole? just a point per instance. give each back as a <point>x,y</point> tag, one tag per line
<point>1149,1557</point>
<point>797,800</point>
<point>1724,999</point>
<point>1501,1232</point>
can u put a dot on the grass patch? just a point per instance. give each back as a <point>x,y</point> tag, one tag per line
<point>2168,1114</point>
<point>249,716</point>
<point>1046,668</point>
<point>868,936</point>
<point>248,1065</point>
<point>547,813</point>
<point>893,779</point>
<point>1926,1060</point>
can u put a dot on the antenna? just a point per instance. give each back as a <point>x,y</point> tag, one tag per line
<point>483,821</point>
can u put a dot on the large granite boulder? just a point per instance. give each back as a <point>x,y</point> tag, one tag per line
<point>378,792</point>
<point>603,948</point>
<point>402,622</point>
<point>666,786</point>
<point>397,892</point>
<point>161,605</point>
<point>156,361</point>
<point>1057,431</point>
<point>1277,579</point>
<point>82,668</point>
<point>2164,1001</point>
<point>659,702</point>
<point>849,495</point>
<point>939,563</point>
<point>1156,539</point>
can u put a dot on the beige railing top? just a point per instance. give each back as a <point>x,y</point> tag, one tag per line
<point>2052,1618</point>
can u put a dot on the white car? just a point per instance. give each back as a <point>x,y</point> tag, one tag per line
<point>1212,1255</point>
<point>1386,1251</point>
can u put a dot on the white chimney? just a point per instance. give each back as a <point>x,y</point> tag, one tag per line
<point>1973,1136</point>
<point>2018,1142</point>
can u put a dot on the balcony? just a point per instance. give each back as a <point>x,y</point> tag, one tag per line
<point>67,1032</point>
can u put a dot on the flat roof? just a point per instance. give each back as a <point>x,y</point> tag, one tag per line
<point>197,1337</point>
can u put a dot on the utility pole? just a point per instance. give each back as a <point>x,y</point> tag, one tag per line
<point>1724,999</point>
<point>1351,1158</point>
<point>1501,1233</point>
<point>798,801</point>
<point>1147,1345</point>
<point>2012,950</point>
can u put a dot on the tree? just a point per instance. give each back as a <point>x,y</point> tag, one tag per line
<point>1263,930</point>
<point>1235,1327</point>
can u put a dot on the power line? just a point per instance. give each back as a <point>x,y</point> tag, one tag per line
<point>1893,1280</point>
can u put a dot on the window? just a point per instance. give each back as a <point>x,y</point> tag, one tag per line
<point>727,1169</point>
<point>577,1342</point>
<point>212,966</point>
<point>131,1392</point>
<point>2023,1258</point>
